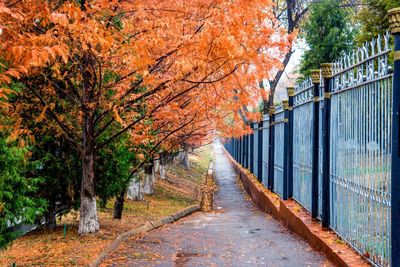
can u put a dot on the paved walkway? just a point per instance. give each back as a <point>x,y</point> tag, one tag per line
<point>236,235</point>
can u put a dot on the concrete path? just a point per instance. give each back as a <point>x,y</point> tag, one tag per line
<point>238,234</point>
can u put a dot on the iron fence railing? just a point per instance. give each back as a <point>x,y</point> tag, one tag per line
<point>303,110</point>
<point>360,167</point>
<point>279,122</point>
<point>320,103</point>
<point>265,156</point>
<point>255,149</point>
<point>330,147</point>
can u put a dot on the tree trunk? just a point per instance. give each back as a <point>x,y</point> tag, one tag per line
<point>156,165</point>
<point>294,16</point>
<point>88,220</point>
<point>153,175</point>
<point>135,189</point>
<point>148,188</point>
<point>163,168</point>
<point>51,222</point>
<point>119,205</point>
<point>185,157</point>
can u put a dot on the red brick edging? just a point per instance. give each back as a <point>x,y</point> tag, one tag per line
<point>297,219</point>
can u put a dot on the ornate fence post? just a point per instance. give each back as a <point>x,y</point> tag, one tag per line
<point>259,151</point>
<point>233,147</point>
<point>326,75</point>
<point>290,92</point>
<point>315,76</point>
<point>245,151</point>
<point>235,151</point>
<point>248,150</point>
<point>286,146</point>
<point>239,150</point>
<point>271,150</point>
<point>394,23</point>
<point>242,150</point>
<point>251,144</point>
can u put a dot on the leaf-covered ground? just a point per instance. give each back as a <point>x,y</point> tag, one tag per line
<point>50,248</point>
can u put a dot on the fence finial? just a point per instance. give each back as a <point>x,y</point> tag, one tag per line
<point>290,90</point>
<point>326,70</point>
<point>394,20</point>
<point>315,76</point>
<point>285,104</point>
<point>271,110</point>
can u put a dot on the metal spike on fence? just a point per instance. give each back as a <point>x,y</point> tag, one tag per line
<point>379,41</point>
<point>387,38</point>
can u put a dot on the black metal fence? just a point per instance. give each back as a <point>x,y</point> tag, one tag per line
<point>329,147</point>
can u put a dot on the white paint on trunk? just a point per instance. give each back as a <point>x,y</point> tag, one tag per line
<point>148,187</point>
<point>135,189</point>
<point>153,175</point>
<point>163,171</point>
<point>176,159</point>
<point>185,158</point>
<point>88,220</point>
<point>156,165</point>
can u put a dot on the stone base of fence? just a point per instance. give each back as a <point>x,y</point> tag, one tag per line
<point>297,219</point>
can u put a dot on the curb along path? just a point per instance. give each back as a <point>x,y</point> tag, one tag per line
<point>141,230</point>
<point>237,234</point>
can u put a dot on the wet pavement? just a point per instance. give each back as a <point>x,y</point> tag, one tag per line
<point>237,234</point>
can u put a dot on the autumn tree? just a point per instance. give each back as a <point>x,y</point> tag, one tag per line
<point>289,14</point>
<point>89,67</point>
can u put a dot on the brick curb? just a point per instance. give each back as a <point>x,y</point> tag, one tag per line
<point>148,226</point>
<point>298,220</point>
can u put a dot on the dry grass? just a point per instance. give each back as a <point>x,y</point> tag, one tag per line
<point>49,248</point>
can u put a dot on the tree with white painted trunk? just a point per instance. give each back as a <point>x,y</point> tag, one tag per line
<point>163,167</point>
<point>185,156</point>
<point>135,189</point>
<point>148,187</point>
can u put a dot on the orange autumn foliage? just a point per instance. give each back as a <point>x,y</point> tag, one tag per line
<point>180,69</point>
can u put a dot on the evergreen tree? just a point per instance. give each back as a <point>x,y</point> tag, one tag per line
<point>58,166</point>
<point>18,204</point>
<point>327,32</point>
<point>113,172</point>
